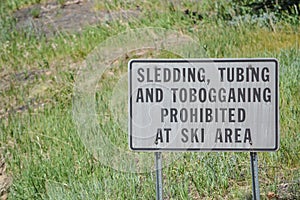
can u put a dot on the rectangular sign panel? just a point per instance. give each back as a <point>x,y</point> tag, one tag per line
<point>203,105</point>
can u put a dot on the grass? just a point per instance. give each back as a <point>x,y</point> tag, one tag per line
<point>46,156</point>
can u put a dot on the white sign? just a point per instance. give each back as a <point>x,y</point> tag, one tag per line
<point>203,105</point>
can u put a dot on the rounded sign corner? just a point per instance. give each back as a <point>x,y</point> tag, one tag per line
<point>276,61</point>
<point>131,147</point>
<point>130,63</point>
<point>276,148</point>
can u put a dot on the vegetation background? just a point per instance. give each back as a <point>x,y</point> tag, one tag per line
<point>44,156</point>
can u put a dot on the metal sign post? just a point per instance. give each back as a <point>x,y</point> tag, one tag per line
<point>158,170</point>
<point>254,171</point>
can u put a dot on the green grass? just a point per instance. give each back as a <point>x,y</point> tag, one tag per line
<point>46,156</point>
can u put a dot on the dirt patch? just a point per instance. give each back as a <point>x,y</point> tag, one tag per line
<point>52,18</point>
<point>5,180</point>
<point>8,81</point>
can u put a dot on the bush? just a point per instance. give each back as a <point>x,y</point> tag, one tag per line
<point>286,10</point>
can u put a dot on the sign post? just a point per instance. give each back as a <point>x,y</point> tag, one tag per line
<point>254,172</point>
<point>204,105</point>
<point>158,171</point>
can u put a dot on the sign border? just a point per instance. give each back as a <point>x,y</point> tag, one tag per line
<point>213,60</point>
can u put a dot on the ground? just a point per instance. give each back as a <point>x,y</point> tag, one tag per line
<point>51,17</point>
<point>37,76</point>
